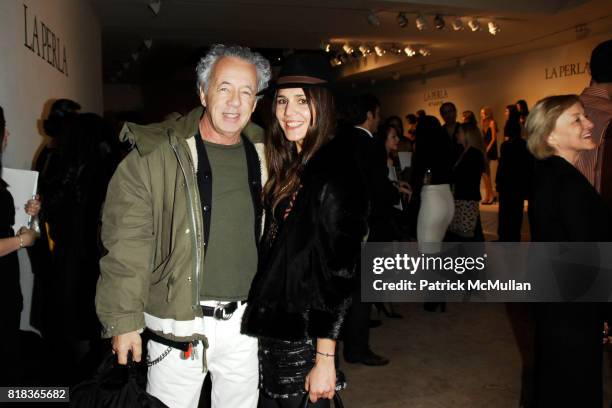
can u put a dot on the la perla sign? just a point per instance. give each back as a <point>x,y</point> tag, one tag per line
<point>42,41</point>
<point>566,70</point>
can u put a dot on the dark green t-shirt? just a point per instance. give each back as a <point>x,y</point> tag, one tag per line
<point>231,258</point>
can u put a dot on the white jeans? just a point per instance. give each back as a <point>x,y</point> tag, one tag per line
<point>435,215</point>
<point>231,359</point>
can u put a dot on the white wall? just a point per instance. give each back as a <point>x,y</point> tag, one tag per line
<point>28,82</point>
<point>495,83</point>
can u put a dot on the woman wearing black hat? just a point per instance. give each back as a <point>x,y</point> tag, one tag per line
<point>315,221</point>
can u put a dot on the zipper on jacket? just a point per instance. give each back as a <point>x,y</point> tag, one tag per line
<point>196,241</point>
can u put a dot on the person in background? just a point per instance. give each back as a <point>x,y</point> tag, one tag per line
<point>468,117</point>
<point>404,144</point>
<point>512,126</point>
<point>390,136</point>
<point>86,159</point>
<point>467,172</point>
<point>396,121</point>
<point>565,207</point>
<point>363,116</point>
<point>596,164</point>
<point>523,111</point>
<point>489,130</point>
<point>432,199</point>
<point>411,120</point>
<point>11,300</point>
<point>310,178</point>
<point>513,178</point>
<point>431,178</point>
<point>390,139</point>
<point>62,110</point>
<point>448,112</point>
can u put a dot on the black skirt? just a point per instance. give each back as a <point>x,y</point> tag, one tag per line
<point>284,365</point>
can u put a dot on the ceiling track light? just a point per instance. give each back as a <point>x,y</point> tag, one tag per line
<point>402,20</point>
<point>365,50</point>
<point>336,62</point>
<point>493,28</point>
<point>327,47</point>
<point>135,56</point>
<point>439,22</point>
<point>396,50</point>
<point>380,51</point>
<point>421,22</point>
<point>474,25</point>
<point>410,51</point>
<point>458,24</point>
<point>424,52</point>
<point>148,44</point>
<point>373,20</point>
<point>154,6</point>
<point>348,49</point>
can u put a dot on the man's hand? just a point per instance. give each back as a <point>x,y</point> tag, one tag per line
<point>126,342</point>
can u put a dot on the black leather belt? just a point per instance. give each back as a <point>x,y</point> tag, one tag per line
<point>181,345</point>
<point>221,312</point>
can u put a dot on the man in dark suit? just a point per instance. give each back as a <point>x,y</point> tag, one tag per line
<point>362,118</point>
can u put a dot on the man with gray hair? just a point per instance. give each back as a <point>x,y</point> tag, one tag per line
<point>181,224</point>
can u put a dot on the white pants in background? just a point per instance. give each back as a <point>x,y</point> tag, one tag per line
<point>231,359</point>
<point>435,215</point>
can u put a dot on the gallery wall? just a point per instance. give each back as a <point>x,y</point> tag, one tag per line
<point>50,50</point>
<point>495,83</point>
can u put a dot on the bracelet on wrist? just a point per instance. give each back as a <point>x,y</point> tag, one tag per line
<point>20,241</point>
<point>326,354</point>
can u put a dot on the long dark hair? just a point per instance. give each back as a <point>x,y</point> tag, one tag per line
<point>2,129</point>
<point>285,164</point>
<point>512,127</point>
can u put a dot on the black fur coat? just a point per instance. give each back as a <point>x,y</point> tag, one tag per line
<point>308,269</point>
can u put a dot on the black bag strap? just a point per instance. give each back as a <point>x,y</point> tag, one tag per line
<point>337,401</point>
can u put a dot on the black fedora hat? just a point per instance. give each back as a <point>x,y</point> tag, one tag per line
<point>303,70</point>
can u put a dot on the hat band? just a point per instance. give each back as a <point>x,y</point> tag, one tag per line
<point>300,80</point>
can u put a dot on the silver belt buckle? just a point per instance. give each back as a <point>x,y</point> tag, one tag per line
<point>219,313</point>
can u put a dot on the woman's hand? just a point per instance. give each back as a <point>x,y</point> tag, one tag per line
<point>404,188</point>
<point>27,236</point>
<point>321,381</point>
<point>32,207</point>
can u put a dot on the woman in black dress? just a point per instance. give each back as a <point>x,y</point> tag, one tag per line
<point>566,208</point>
<point>316,212</point>
<point>513,178</point>
<point>467,171</point>
<point>11,301</point>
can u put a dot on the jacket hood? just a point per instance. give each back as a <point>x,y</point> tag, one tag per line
<point>146,138</point>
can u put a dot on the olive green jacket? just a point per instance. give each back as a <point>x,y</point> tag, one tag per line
<point>152,229</point>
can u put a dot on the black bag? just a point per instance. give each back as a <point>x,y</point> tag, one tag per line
<point>115,386</point>
<point>337,401</point>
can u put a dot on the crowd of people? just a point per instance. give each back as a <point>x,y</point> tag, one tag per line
<point>260,291</point>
